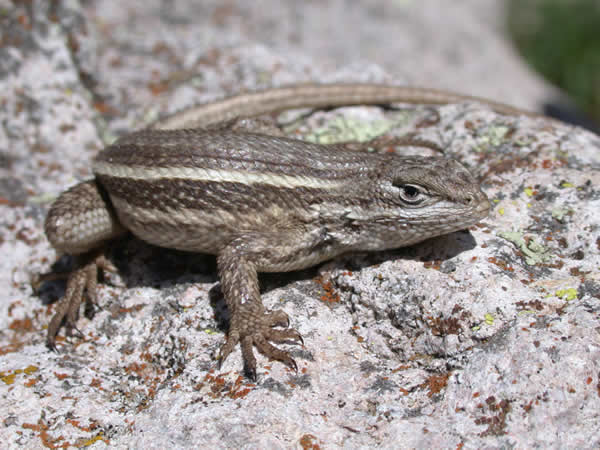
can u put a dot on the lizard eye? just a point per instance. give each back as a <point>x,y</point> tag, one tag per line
<point>411,194</point>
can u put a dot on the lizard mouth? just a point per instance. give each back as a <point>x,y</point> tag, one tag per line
<point>483,207</point>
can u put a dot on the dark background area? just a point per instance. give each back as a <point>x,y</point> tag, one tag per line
<point>561,40</point>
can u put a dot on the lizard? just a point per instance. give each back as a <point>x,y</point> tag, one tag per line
<point>259,202</point>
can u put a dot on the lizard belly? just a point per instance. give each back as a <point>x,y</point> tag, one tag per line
<point>205,230</point>
<point>182,230</point>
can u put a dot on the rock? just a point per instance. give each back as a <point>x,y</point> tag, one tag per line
<point>482,338</point>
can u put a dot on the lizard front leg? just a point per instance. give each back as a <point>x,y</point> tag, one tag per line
<point>251,325</point>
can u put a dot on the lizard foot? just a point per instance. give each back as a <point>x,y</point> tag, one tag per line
<point>259,332</point>
<point>84,278</point>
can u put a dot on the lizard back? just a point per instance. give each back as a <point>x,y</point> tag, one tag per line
<point>196,190</point>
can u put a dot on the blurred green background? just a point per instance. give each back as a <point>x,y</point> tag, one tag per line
<point>561,40</point>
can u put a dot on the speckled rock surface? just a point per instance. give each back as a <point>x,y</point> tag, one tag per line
<point>483,338</point>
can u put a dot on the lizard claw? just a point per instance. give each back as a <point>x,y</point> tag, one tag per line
<point>251,374</point>
<point>293,365</point>
<point>51,345</point>
<point>73,330</point>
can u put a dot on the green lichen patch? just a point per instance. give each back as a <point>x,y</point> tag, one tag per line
<point>533,252</point>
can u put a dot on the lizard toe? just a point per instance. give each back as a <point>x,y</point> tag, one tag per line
<point>260,334</point>
<point>72,330</point>
<point>274,353</point>
<point>248,356</point>
<point>286,335</point>
<point>67,309</point>
<point>277,318</point>
<point>232,340</point>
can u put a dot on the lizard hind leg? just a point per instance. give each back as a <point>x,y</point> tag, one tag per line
<point>80,222</point>
<point>80,281</point>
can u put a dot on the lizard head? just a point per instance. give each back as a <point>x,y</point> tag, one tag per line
<point>417,198</point>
